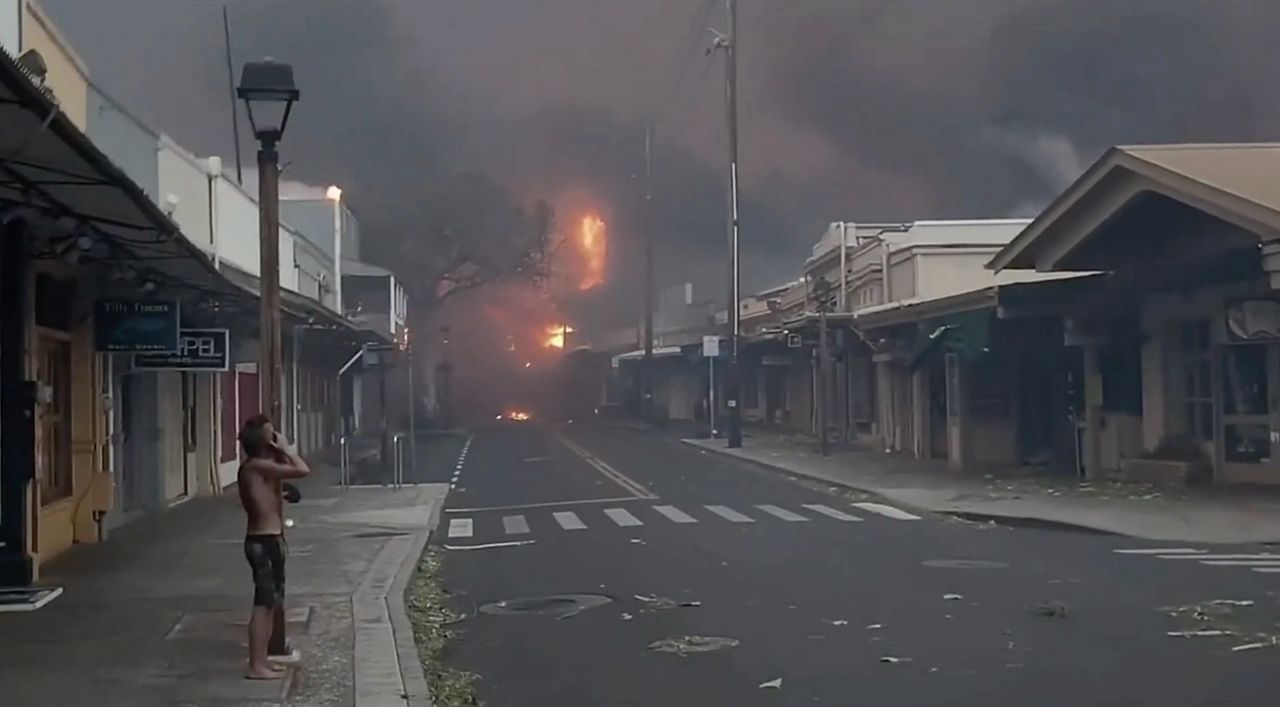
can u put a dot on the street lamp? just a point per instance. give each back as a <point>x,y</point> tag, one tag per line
<point>268,92</point>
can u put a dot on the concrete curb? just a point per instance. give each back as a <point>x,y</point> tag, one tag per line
<point>416,691</point>
<point>963,514</point>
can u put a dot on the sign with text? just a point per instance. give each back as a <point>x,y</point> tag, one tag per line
<point>198,350</point>
<point>134,326</point>
<point>711,346</point>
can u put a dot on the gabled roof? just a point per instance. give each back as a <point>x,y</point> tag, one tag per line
<point>1233,182</point>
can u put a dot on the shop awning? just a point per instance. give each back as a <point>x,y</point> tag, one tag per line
<point>638,354</point>
<point>967,334</point>
<point>47,165</point>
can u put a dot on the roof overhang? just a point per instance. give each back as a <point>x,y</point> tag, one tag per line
<point>1233,183</point>
<point>48,166</point>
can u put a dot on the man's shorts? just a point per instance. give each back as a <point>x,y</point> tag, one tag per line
<point>266,554</point>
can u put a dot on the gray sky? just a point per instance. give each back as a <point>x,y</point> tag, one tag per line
<point>851,109</point>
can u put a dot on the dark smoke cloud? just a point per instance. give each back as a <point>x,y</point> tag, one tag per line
<point>851,109</point>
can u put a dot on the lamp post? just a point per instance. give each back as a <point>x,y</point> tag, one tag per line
<point>268,92</point>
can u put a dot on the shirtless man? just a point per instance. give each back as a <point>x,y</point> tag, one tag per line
<point>269,461</point>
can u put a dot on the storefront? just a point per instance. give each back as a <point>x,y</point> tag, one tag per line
<point>1188,234</point>
<point>77,232</point>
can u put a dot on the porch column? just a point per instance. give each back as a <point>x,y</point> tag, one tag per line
<point>1093,410</point>
<point>17,409</point>
<point>957,413</point>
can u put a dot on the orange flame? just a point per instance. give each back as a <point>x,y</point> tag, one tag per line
<point>555,335</point>
<point>592,245</point>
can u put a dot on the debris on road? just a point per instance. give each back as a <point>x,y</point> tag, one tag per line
<point>1231,602</point>
<point>836,622</point>
<point>637,541</point>
<point>1052,609</point>
<point>952,597</point>
<point>626,616</point>
<point>684,645</point>
<point>774,684</point>
<point>1201,633</point>
<point>1275,641</point>
<point>655,602</point>
<point>893,659</point>
<point>874,627</point>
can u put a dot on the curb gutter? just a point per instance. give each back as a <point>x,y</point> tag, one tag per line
<point>963,514</point>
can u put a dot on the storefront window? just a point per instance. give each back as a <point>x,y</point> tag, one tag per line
<point>54,376</point>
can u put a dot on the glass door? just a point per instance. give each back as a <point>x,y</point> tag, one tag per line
<point>1246,412</point>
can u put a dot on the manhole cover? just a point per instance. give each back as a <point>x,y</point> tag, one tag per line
<point>560,605</point>
<point>965,564</point>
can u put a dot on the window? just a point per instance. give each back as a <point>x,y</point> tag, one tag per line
<point>54,449</point>
<point>1197,383</point>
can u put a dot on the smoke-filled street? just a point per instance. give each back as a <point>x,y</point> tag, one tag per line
<point>828,597</point>
<point>511,353</point>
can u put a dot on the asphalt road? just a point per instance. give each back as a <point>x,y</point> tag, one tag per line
<point>844,604</point>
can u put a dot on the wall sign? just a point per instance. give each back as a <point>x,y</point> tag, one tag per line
<point>198,350</point>
<point>134,326</point>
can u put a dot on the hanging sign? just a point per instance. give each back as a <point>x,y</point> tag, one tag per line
<point>135,326</point>
<point>198,350</point>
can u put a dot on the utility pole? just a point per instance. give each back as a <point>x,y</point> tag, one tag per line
<point>823,300</point>
<point>646,366</point>
<point>733,374</point>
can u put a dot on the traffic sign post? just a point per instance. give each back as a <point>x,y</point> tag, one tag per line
<point>711,351</point>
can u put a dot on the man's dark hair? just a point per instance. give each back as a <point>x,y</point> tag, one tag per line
<point>253,436</point>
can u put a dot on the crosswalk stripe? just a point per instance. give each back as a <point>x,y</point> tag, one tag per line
<point>1261,556</point>
<point>830,512</point>
<point>729,514</point>
<point>782,513</point>
<point>675,514</point>
<point>1159,551</point>
<point>461,528</point>
<point>1242,563</point>
<point>622,517</point>
<point>887,511</point>
<point>569,520</point>
<point>515,525</point>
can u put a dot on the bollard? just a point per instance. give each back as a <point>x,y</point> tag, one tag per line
<point>398,452</point>
<point>344,463</point>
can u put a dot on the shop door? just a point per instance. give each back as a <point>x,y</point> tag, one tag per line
<point>1249,383</point>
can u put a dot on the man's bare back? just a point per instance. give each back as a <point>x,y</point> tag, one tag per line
<point>260,497</point>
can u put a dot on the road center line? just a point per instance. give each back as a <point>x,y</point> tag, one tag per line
<point>628,484</point>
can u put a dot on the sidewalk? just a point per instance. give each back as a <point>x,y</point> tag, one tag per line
<point>1136,510</point>
<point>156,615</point>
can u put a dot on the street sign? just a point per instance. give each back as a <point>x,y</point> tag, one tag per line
<point>794,341</point>
<point>133,326</point>
<point>376,355</point>
<point>711,346</point>
<point>198,350</point>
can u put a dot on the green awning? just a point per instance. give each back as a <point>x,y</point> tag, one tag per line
<point>965,333</point>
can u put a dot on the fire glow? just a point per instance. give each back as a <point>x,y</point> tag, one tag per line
<point>592,246</point>
<point>555,335</point>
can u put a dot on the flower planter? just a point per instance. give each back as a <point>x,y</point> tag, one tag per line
<point>1165,471</point>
